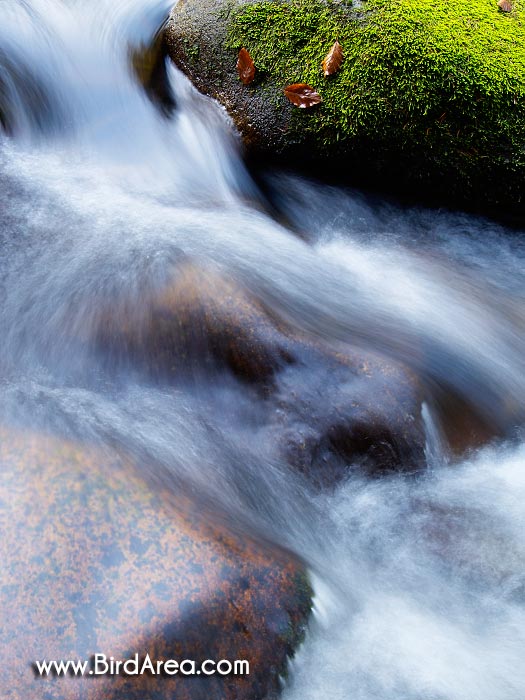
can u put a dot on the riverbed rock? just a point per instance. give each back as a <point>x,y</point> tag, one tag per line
<point>336,413</point>
<point>195,321</point>
<point>321,408</point>
<point>429,99</point>
<point>95,560</point>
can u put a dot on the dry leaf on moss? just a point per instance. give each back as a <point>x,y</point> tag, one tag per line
<point>245,67</point>
<point>302,95</point>
<point>333,59</point>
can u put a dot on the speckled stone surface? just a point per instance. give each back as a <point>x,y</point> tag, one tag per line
<point>94,561</point>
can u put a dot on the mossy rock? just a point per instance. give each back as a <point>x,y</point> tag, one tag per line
<point>430,97</point>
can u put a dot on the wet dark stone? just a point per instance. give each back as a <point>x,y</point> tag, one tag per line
<point>323,409</point>
<point>197,322</point>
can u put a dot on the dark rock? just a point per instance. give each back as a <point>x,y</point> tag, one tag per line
<point>196,38</point>
<point>321,409</point>
<point>197,321</point>
<point>149,67</point>
<point>333,411</point>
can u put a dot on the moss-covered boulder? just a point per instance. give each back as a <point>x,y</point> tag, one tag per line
<point>94,560</point>
<point>430,97</point>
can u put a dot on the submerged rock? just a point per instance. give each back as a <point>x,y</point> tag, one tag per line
<point>333,413</point>
<point>321,409</point>
<point>198,321</point>
<point>429,99</point>
<point>95,561</point>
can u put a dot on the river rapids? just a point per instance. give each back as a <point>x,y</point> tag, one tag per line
<point>419,581</point>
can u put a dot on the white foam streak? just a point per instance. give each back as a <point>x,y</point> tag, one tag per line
<point>436,600</point>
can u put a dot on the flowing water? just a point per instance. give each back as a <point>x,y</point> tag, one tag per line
<point>419,582</point>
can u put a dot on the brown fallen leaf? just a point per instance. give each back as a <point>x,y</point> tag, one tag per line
<point>333,59</point>
<point>245,66</point>
<point>302,95</point>
<point>505,5</point>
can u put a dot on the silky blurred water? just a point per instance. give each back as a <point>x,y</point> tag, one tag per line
<point>419,582</point>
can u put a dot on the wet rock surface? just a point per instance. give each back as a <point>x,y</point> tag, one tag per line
<point>94,561</point>
<point>196,38</point>
<point>197,321</point>
<point>321,408</point>
<point>345,412</point>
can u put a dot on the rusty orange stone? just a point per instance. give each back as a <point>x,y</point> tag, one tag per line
<point>94,560</point>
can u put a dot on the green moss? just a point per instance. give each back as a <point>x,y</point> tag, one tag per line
<point>294,633</point>
<point>192,50</point>
<point>439,78</point>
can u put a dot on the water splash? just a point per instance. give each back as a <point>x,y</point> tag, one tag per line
<point>425,593</point>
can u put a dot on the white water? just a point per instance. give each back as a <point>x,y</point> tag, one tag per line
<point>419,583</point>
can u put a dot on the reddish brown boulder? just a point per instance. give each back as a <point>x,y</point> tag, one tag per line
<point>198,321</point>
<point>322,409</point>
<point>93,560</point>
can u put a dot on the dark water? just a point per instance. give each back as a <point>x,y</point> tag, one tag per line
<point>419,583</point>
